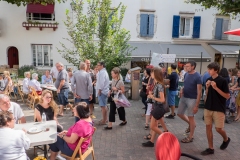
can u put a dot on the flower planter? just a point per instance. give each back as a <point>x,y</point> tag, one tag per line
<point>27,25</point>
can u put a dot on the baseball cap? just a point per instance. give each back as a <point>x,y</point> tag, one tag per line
<point>161,65</point>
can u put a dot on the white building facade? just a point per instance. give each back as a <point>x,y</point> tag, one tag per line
<point>174,27</point>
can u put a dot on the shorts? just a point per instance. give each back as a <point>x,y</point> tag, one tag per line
<point>102,100</point>
<point>149,109</point>
<point>61,145</point>
<point>77,100</point>
<point>186,104</point>
<point>158,111</point>
<point>217,117</point>
<point>93,96</point>
<point>63,97</point>
<point>171,98</point>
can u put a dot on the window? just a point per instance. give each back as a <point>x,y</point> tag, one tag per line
<point>41,16</point>
<point>185,26</point>
<point>42,55</point>
<point>147,25</point>
<point>222,25</point>
<point>188,26</point>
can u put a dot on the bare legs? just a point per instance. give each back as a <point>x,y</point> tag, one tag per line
<point>104,114</point>
<point>61,110</point>
<point>53,155</point>
<point>238,113</point>
<point>155,129</point>
<point>191,123</point>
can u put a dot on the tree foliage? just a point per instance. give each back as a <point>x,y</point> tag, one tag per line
<point>25,2</point>
<point>225,7</point>
<point>96,34</point>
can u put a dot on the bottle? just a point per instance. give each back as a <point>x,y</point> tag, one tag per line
<point>43,117</point>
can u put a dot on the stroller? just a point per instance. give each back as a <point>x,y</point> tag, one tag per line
<point>230,106</point>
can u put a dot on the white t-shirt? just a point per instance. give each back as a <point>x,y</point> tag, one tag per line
<point>16,110</point>
<point>54,72</point>
<point>13,144</point>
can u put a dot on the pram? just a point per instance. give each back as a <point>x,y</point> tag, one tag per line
<point>230,106</point>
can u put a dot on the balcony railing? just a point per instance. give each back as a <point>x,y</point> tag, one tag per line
<point>39,25</point>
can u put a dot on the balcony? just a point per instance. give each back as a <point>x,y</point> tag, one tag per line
<point>40,25</point>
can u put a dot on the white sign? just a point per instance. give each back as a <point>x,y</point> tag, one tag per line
<point>162,58</point>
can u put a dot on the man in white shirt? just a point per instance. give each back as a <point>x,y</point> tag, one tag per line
<point>6,105</point>
<point>102,87</point>
<point>54,72</point>
<point>26,80</point>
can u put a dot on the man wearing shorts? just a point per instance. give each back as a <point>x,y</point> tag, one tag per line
<point>172,92</point>
<point>217,92</point>
<point>102,87</point>
<point>190,96</point>
<point>62,86</point>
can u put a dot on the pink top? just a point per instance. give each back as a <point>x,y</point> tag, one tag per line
<point>82,129</point>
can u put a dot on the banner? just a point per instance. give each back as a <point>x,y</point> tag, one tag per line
<point>162,58</point>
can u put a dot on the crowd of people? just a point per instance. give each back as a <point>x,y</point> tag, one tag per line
<point>218,86</point>
<point>159,90</point>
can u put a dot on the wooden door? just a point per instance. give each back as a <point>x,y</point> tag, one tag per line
<point>13,57</point>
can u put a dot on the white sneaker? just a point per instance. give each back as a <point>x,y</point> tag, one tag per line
<point>59,157</point>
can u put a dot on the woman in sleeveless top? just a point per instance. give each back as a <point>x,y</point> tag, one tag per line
<point>158,97</point>
<point>48,106</point>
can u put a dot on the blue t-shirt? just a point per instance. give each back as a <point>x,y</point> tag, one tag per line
<point>173,81</point>
<point>190,85</point>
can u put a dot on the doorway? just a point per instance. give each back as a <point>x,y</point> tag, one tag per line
<point>12,56</point>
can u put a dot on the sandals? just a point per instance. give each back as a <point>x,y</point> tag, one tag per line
<point>148,137</point>
<point>102,123</point>
<point>187,130</point>
<point>146,126</point>
<point>187,140</point>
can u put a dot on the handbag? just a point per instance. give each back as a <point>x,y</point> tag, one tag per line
<point>143,94</point>
<point>121,101</point>
<point>164,104</point>
<point>110,98</point>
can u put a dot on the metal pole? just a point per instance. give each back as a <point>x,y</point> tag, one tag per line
<point>167,53</point>
<point>201,64</point>
<point>150,55</point>
<point>238,58</point>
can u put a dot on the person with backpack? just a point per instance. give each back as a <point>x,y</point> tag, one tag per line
<point>217,92</point>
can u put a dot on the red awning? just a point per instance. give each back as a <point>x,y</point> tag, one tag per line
<point>38,8</point>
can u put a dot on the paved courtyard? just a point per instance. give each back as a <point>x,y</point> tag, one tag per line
<point>124,143</point>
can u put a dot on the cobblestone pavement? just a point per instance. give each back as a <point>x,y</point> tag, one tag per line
<point>124,142</point>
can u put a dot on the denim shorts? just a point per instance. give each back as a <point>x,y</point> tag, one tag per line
<point>186,104</point>
<point>61,145</point>
<point>77,100</point>
<point>102,100</point>
<point>63,97</point>
<point>171,98</point>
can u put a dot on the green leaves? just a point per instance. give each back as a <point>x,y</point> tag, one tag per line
<point>225,7</point>
<point>96,34</point>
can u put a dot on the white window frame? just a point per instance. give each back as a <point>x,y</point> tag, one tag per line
<point>42,49</point>
<point>190,27</point>
<point>30,17</point>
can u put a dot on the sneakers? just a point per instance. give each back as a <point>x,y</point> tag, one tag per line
<point>225,144</point>
<point>207,152</point>
<point>148,144</point>
<point>170,116</point>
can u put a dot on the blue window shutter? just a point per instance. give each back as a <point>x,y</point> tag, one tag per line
<point>218,29</point>
<point>175,28</point>
<point>143,25</point>
<point>151,25</point>
<point>196,26</point>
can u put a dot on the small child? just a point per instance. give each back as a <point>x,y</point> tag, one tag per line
<point>2,84</point>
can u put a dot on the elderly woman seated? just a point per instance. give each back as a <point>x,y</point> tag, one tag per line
<point>67,140</point>
<point>13,142</point>
<point>35,84</point>
<point>26,81</point>
<point>2,84</point>
<point>47,78</point>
